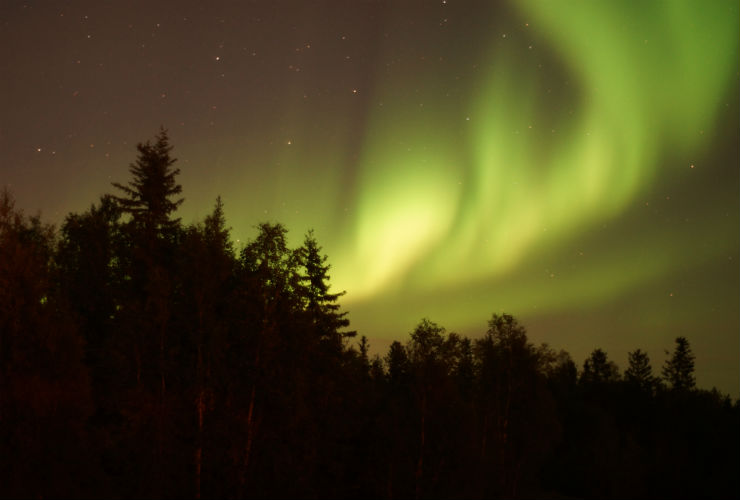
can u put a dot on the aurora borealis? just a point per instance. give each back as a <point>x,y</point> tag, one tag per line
<point>572,163</point>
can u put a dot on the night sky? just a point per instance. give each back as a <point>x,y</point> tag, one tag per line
<point>572,163</point>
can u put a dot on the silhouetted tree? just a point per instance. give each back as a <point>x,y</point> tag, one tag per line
<point>148,197</point>
<point>278,356</point>
<point>44,387</point>
<point>207,268</point>
<point>678,370</point>
<point>597,369</point>
<point>145,326</point>
<point>433,358</point>
<point>398,364</point>
<point>321,305</point>
<point>465,368</point>
<point>639,373</point>
<point>562,375</point>
<point>364,350</point>
<point>518,424</point>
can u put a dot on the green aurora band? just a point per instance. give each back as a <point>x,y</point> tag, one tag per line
<point>438,207</point>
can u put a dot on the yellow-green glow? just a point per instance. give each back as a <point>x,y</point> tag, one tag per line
<point>438,208</point>
<point>406,205</point>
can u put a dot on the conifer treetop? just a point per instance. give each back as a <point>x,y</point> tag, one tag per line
<point>148,197</point>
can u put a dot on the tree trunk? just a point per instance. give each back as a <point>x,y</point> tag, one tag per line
<point>251,428</point>
<point>201,410</point>
<point>200,404</point>
<point>422,442</point>
<point>162,396</point>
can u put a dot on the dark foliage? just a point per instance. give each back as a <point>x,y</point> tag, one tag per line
<point>143,358</point>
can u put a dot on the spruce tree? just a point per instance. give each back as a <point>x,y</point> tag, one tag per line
<point>597,369</point>
<point>678,370</point>
<point>148,197</point>
<point>397,360</point>
<point>639,373</point>
<point>145,322</point>
<point>320,304</point>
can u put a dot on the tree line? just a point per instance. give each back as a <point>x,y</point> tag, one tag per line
<point>141,357</point>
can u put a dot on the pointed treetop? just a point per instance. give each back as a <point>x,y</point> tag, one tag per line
<point>320,303</point>
<point>148,197</point>
<point>215,228</point>
<point>598,369</point>
<point>639,373</point>
<point>678,370</point>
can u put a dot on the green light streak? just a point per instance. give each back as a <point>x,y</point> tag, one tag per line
<point>438,208</point>
<point>407,202</point>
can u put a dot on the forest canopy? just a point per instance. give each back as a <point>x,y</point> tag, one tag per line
<point>144,357</point>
